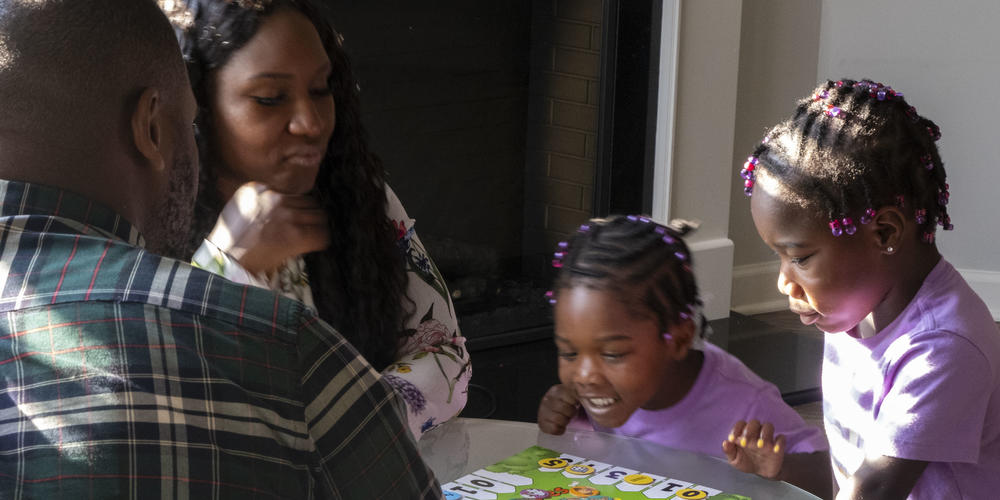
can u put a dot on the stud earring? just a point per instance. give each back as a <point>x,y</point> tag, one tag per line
<point>890,250</point>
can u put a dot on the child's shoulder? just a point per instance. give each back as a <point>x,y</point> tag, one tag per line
<point>948,311</point>
<point>727,370</point>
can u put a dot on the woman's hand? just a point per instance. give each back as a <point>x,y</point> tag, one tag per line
<point>559,406</point>
<point>262,228</point>
<point>752,447</point>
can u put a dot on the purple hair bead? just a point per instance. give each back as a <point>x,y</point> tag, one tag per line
<point>563,245</point>
<point>660,230</point>
<point>881,94</point>
<point>560,255</point>
<point>868,215</point>
<point>632,218</point>
<point>680,255</point>
<point>921,216</point>
<point>928,161</point>
<point>668,240</point>
<point>832,110</point>
<point>849,226</point>
<point>835,228</point>
<point>584,228</point>
<point>748,191</point>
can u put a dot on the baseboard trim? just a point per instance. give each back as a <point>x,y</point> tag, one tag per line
<point>713,266</point>
<point>754,290</point>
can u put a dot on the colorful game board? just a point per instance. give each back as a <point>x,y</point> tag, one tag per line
<point>543,473</point>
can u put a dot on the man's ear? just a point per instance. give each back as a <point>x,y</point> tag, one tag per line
<point>147,128</point>
<point>888,226</point>
<point>682,335</point>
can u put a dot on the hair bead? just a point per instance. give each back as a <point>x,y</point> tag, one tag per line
<point>921,216</point>
<point>934,132</point>
<point>849,226</point>
<point>868,215</point>
<point>748,175</point>
<point>928,161</point>
<point>835,227</point>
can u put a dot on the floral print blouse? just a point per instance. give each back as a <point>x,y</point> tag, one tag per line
<point>433,370</point>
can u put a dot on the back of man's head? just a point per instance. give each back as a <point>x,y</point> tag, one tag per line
<point>71,69</point>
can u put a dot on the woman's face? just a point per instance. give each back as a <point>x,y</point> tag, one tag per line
<point>272,109</point>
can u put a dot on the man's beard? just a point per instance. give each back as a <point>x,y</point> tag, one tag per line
<point>168,235</point>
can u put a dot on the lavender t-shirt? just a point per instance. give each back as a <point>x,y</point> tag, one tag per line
<point>724,391</point>
<point>926,387</point>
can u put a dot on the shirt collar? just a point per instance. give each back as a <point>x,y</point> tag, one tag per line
<point>74,213</point>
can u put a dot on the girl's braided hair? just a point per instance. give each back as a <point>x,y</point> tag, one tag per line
<point>645,264</point>
<point>853,147</point>
<point>359,282</point>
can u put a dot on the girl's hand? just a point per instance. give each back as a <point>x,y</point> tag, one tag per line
<point>752,447</point>
<point>559,406</point>
<point>262,228</point>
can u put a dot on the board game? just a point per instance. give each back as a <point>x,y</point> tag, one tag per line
<point>543,473</point>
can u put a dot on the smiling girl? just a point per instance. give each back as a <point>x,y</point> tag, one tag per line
<point>632,358</point>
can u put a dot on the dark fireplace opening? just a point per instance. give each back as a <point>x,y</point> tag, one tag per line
<point>487,117</point>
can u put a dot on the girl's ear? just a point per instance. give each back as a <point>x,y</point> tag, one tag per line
<point>682,335</point>
<point>888,226</point>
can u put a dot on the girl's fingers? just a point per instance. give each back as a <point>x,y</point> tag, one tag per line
<point>779,444</point>
<point>730,450</point>
<point>766,438</point>
<point>737,431</point>
<point>750,433</point>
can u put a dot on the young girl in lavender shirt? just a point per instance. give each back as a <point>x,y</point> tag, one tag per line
<point>632,360</point>
<point>849,192</point>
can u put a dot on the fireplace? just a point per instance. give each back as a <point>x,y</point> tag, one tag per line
<point>504,126</point>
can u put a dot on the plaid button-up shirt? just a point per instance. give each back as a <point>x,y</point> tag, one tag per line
<point>128,375</point>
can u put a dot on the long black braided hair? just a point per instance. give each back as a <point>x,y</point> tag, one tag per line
<point>359,281</point>
<point>645,264</point>
<point>851,148</point>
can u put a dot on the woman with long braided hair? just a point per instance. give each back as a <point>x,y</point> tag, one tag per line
<point>849,192</point>
<point>305,207</point>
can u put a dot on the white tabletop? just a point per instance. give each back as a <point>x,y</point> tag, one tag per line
<point>464,445</point>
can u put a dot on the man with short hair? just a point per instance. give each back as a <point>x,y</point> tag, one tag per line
<point>125,373</point>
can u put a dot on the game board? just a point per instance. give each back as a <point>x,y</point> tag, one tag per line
<point>543,473</point>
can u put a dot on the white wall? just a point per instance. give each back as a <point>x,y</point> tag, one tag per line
<point>779,44</point>
<point>944,57</point>
<point>705,108</point>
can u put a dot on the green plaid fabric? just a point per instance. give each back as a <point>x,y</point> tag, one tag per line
<point>128,375</point>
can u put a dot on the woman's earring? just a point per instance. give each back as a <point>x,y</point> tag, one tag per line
<point>890,250</point>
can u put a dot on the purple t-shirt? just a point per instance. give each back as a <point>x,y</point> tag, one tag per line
<point>926,387</point>
<point>724,392</point>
